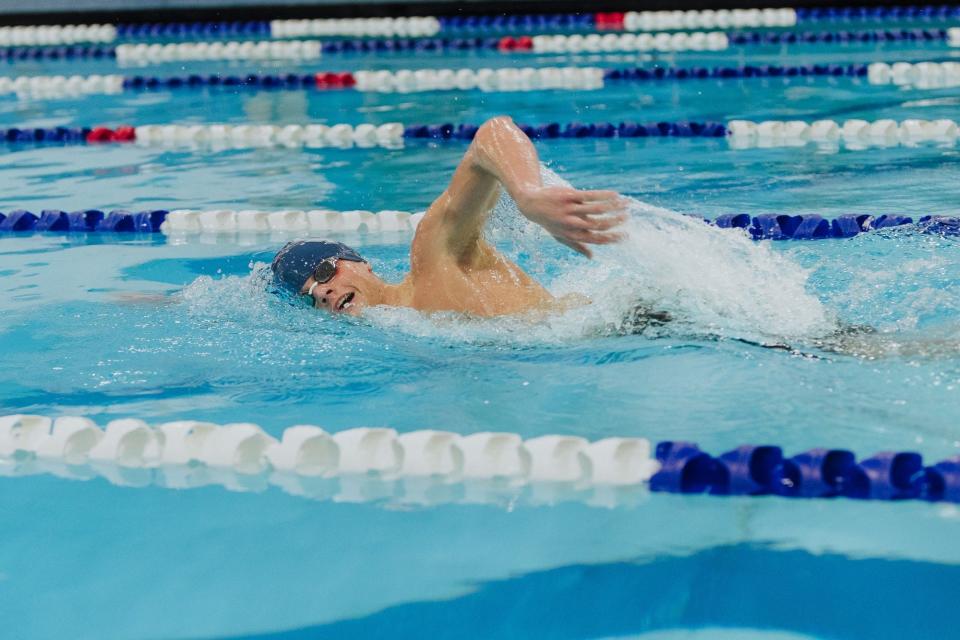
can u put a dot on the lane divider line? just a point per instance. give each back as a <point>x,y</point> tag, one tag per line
<point>500,24</point>
<point>226,223</point>
<point>854,134</point>
<point>560,461</point>
<point>598,42</point>
<point>507,79</point>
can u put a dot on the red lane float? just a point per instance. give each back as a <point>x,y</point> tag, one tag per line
<point>328,80</point>
<point>609,21</point>
<point>99,135</point>
<point>509,43</point>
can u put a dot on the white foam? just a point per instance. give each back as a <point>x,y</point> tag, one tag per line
<point>711,281</point>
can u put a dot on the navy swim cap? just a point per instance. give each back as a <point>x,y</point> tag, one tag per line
<point>295,262</point>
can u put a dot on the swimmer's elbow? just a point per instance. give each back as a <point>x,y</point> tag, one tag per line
<point>498,121</point>
<point>492,126</point>
<point>489,141</point>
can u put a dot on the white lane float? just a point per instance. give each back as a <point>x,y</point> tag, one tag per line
<point>403,27</point>
<point>128,443</point>
<point>953,37</point>
<point>628,42</point>
<point>853,133</point>
<point>183,222</point>
<point>58,86</point>
<point>305,450</point>
<point>29,35</point>
<point>922,75</point>
<point>509,79</point>
<point>309,450</point>
<point>420,467</point>
<point>389,135</point>
<point>709,19</point>
<point>142,54</point>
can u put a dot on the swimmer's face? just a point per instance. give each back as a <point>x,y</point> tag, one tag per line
<point>349,291</point>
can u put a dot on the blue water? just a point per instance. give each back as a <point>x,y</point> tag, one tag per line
<point>94,560</point>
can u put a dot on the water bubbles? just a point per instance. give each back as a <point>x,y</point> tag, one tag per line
<point>673,275</point>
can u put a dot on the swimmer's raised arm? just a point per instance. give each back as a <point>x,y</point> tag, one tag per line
<point>501,154</point>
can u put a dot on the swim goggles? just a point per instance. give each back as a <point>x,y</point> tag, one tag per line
<point>323,273</point>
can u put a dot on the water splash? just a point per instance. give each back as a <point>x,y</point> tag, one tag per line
<point>707,280</point>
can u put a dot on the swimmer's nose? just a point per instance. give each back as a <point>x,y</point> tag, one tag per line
<point>327,296</point>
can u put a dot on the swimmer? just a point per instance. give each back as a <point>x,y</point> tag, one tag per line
<point>452,266</point>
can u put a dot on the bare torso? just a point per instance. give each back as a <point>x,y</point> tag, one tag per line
<point>452,266</point>
<point>483,283</point>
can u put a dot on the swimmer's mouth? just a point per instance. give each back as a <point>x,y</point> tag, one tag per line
<point>345,300</point>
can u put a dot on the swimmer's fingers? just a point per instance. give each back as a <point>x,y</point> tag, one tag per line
<point>594,196</point>
<point>596,223</point>
<point>598,237</point>
<point>597,208</point>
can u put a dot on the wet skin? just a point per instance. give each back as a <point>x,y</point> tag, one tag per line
<point>453,268</point>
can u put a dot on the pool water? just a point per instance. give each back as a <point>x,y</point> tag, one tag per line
<point>90,559</point>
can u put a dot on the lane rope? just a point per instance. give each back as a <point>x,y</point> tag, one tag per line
<point>601,42</point>
<point>507,79</point>
<point>227,222</point>
<point>544,23</point>
<point>852,134</point>
<point>448,457</point>
<point>500,24</point>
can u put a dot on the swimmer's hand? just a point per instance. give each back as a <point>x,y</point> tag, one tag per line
<point>573,217</point>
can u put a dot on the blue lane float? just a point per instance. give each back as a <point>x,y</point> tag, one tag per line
<point>748,38</point>
<point>57,52</point>
<point>664,72</point>
<point>905,13</point>
<point>192,30</point>
<point>85,221</point>
<point>42,135</point>
<point>815,227</point>
<point>520,23</point>
<point>553,130</point>
<point>819,473</point>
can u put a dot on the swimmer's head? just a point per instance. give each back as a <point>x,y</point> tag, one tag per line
<point>331,274</point>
